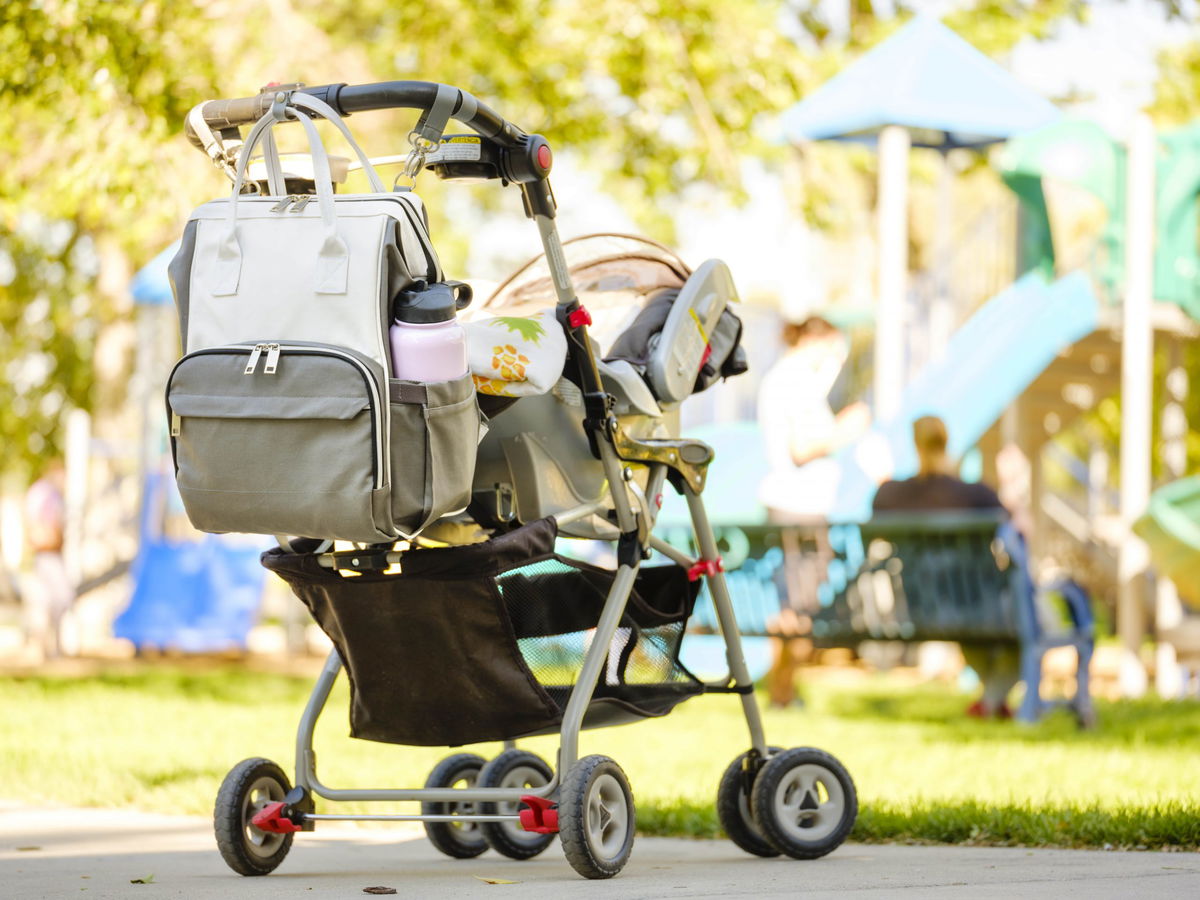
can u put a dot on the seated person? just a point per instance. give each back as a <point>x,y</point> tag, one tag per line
<point>935,487</point>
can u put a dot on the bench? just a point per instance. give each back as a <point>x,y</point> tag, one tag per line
<point>937,576</point>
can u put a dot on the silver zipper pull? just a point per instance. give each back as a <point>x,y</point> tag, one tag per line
<point>272,359</point>
<point>176,422</point>
<point>301,202</point>
<point>252,363</point>
<point>284,203</point>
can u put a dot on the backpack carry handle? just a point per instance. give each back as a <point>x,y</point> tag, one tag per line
<point>333,257</point>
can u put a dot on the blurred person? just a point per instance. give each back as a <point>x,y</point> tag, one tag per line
<point>800,430</point>
<point>51,592</point>
<point>936,487</point>
<point>799,427</point>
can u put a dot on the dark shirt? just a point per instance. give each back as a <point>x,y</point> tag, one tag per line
<point>934,492</point>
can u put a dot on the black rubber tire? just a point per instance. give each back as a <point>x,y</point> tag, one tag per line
<point>734,811</point>
<point>247,788</point>
<point>781,782</point>
<point>505,838</point>
<point>596,783</point>
<point>463,841</point>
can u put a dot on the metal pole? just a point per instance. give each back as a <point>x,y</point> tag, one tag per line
<point>892,209</point>
<point>1168,612</point>
<point>1137,352</point>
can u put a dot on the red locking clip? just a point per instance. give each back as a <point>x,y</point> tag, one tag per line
<point>272,820</point>
<point>541,816</point>
<point>707,567</point>
<point>580,317</point>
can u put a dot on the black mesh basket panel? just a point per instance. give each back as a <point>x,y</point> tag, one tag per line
<point>485,642</point>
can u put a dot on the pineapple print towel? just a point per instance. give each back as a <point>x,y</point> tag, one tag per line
<point>516,356</point>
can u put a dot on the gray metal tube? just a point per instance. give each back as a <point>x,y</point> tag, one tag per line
<point>433,795</point>
<point>593,665</point>
<point>707,542</point>
<point>556,260</point>
<point>306,761</point>
<point>367,817</point>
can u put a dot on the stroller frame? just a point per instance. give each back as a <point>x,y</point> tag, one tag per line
<point>737,681</point>
<point>524,159</point>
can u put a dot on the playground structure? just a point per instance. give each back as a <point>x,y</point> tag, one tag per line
<point>1040,353</point>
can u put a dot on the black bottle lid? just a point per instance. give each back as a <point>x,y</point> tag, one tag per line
<point>427,304</point>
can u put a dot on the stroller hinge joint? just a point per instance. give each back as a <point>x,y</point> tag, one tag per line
<point>579,317</point>
<point>705,567</point>
<point>278,818</point>
<point>541,816</point>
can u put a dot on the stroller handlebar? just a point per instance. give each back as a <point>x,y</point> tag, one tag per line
<point>347,99</point>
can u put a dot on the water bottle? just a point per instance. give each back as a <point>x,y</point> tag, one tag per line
<point>428,344</point>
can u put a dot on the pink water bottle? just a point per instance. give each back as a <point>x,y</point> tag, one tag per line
<point>428,344</point>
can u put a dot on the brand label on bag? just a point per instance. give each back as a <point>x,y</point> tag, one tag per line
<point>456,148</point>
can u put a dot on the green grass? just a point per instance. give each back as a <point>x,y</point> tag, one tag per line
<point>161,738</point>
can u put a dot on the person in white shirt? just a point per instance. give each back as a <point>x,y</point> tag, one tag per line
<point>800,431</point>
<point>799,428</point>
<point>51,593</point>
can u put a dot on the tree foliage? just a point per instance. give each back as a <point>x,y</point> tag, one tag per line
<point>656,94</point>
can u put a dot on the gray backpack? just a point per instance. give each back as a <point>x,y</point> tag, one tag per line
<point>284,418</point>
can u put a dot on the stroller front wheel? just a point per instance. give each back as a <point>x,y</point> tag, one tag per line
<point>513,769</point>
<point>804,802</point>
<point>733,808</point>
<point>249,786</point>
<point>596,817</point>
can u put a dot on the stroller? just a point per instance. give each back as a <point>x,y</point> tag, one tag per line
<point>540,642</point>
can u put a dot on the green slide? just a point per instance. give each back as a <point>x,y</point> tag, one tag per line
<point>1171,526</point>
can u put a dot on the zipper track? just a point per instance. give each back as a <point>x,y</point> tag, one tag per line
<point>379,436</point>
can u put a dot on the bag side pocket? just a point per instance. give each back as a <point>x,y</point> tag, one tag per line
<point>433,446</point>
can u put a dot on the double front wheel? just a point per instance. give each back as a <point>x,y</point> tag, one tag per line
<point>799,802</point>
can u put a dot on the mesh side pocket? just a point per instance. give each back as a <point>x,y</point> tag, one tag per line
<point>554,605</point>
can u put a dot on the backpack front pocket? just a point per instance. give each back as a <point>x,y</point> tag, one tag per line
<point>282,439</point>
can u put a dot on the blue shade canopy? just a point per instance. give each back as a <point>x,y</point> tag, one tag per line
<point>925,78</point>
<point>151,286</point>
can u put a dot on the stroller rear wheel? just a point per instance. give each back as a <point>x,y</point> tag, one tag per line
<point>461,840</point>
<point>513,769</point>
<point>804,802</point>
<point>249,786</point>
<point>596,817</point>
<point>733,808</point>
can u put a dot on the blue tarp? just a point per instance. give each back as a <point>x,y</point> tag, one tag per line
<point>195,596</point>
<point>924,77</point>
<point>151,285</point>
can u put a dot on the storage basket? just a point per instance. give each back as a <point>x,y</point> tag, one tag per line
<point>485,641</point>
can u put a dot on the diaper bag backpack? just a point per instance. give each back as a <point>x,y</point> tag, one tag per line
<point>284,417</point>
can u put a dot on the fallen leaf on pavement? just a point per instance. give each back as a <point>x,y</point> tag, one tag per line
<point>379,889</point>
<point>495,880</point>
<point>149,879</point>
<point>27,849</point>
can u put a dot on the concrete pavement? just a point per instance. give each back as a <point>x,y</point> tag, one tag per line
<point>94,853</point>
